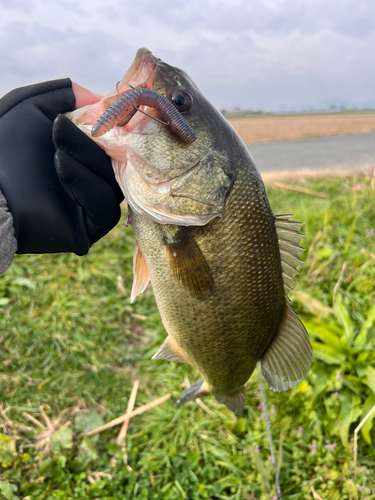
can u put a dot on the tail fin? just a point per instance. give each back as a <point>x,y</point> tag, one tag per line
<point>235,402</point>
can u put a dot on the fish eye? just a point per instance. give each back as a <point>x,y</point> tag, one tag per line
<point>182,100</point>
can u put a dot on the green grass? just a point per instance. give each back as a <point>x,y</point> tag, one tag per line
<point>72,344</point>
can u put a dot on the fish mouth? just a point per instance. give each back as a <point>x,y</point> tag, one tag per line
<point>141,70</point>
<point>140,74</point>
<point>151,181</point>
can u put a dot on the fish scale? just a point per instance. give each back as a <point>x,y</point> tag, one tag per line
<point>220,262</point>
<point>231,330</point>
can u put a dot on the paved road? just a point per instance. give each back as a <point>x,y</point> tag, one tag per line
<point>344,152</point>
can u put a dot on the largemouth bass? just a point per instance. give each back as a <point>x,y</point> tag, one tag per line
<point>220,262</point>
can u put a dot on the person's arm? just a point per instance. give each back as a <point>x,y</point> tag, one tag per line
<point>8,243</point>
<point>58,185</point>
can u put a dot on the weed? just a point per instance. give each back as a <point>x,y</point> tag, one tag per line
<point>72,345</point>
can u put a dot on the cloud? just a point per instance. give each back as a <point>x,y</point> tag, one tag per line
<point>30,53</point>
<point>352,18</point>
<point>264,53</point>
<point>16,5</point>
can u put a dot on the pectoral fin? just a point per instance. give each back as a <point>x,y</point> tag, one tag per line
<point>188,264</point>
<point>288,359</point>
<point>168,352</point>
<point>141,276</point>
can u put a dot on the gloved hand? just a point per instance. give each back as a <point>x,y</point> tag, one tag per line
<point>59,185</point>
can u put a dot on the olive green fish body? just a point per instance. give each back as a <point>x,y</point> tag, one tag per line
<point>224,335</point>
<point>220,262</point>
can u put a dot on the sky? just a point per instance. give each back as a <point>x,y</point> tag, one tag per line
<point>272,55</point>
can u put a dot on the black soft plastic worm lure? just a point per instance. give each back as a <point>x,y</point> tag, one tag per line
<point>124,109</point>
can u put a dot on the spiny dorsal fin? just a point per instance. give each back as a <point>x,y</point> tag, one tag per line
<point>288,359</point>
<point>141,276</point>
<point>289,237</point>
<point>167,352</point>
<point>283,221</point>
<point>188,264</point>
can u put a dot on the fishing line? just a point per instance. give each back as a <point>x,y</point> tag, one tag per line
<point>268,424</point>
<point>150,116</point>
<point>167,124</point>
<point>143,112</point>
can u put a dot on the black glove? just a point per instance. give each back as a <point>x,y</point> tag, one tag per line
<point>62,209</point>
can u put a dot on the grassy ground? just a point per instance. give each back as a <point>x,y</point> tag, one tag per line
<point>256,129</point>
<point>71,346</point>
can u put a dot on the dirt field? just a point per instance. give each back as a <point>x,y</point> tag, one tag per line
<point>262,129</point>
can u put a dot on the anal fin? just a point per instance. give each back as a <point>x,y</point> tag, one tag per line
<point>141,276</point>
<point>288,359</point>
<point>235,402</point>
<point>167,352</point>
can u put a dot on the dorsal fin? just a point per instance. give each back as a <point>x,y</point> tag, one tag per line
<point>288,358</point>
<point>288,238</point>
<point>141,276</point>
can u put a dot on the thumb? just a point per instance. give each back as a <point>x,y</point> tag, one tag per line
<point>84,97</point>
